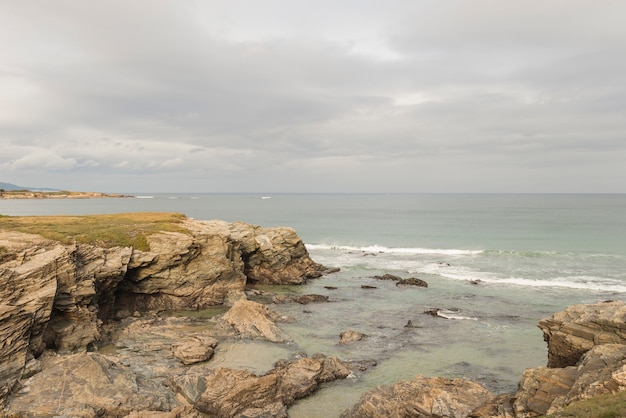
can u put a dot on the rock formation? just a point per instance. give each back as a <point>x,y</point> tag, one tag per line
<point>573,332</point>
<point>235,393</point>
<point>59,296</point>
<point>194,348</point>
<point>86,385</point>
<point>253,320</point>
<point>421,397</point>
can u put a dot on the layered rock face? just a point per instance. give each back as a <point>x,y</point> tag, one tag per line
<point>58,296</point>
<point>579,328</point>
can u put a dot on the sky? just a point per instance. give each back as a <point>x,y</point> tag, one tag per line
<point>393,96</point>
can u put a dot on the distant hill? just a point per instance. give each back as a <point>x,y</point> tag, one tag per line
<point>10,186</point>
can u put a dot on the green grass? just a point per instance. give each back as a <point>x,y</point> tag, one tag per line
<point>605,406</point>
<point>123,229</point>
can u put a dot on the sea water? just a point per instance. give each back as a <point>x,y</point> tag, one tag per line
<point>495,265</point>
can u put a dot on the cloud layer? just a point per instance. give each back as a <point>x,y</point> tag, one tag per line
<point>355,96</point>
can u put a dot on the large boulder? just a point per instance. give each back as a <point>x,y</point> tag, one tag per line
<point>253,320</point>
<point>422,397</point>
<point>573,332</point>
<point>194,348</point>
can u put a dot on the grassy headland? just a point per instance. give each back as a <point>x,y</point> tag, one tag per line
<point>61,194</point>
<point>122,229</point>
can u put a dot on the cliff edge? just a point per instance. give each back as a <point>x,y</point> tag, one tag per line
<point>58,295</point>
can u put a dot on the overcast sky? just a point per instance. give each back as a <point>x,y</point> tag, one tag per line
<point>314,96</point>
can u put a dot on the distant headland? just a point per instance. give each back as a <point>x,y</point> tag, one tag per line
<point>12,191</point>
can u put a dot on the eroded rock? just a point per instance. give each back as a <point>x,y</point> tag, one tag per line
<point>87,383</point>
<point>194,348</point>
<point>422,397</point>
<point>573,332</point>
<point>234,393</point>
<point>253,320</point>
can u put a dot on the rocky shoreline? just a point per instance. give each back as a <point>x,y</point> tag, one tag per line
<point>86,332</point>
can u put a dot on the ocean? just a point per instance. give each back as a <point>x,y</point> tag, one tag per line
<point>495,265</point>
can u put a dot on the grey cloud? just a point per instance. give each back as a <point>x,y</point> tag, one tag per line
<point>479,92</point>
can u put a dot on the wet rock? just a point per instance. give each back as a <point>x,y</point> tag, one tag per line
<point>330,287</point>
<point>365,286</point>
<point>301,299</point>
<point>573,332</point>
<point>350,336</point>
<point>194,348</point>
<point>421,397</point>
<point>388,276</point>
<point>359,365</point>
<point>412,281</point>
<point>235,393</point>
<point>253,320</point>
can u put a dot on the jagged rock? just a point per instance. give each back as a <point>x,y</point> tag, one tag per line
<point>27,290</point>
<point>234,393</point>
<point>350,336</point>
<point>546,390</point>
<point>194,348</point>
<point>573,332</point>
<point>253,320</point>
<point>422,398</point>
<point>87,384</point>
<point>412,281</point>
<point>275,255</point>
<point>59,296</point>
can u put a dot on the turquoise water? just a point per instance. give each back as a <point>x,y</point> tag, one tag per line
<point>496,263</point>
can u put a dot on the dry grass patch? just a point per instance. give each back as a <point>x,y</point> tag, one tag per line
<point>605,406</point>
<point>121,229</point>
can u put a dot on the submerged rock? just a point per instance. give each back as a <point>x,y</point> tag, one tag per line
<point>301,299</point>
<point>412,281</point>
<point>350,336</point>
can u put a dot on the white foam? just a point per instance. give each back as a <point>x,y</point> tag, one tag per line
<point>569,282</point>
<point>392,250</point>
<point>444,313</point>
